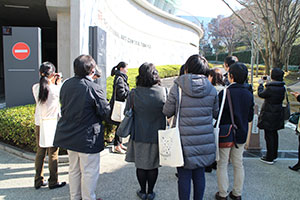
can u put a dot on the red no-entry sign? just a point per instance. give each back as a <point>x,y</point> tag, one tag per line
<point>21,51</point>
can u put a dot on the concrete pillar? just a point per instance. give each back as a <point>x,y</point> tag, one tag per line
<point>59,10</point>
<point>74,31</point>
<point>63,44</point>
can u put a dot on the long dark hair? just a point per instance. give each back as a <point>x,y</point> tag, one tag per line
<point>118,67</point>
<point>46,69</point>
<point>148,75</point>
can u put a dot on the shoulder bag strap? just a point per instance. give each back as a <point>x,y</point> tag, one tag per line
<point>232,116</point>
<point>221,108</point>
<point>286,95</point>
<point>115,88</point>
<point>179,102</point>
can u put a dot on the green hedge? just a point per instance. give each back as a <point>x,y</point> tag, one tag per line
<point>17,126</point>
<point>17,123</point>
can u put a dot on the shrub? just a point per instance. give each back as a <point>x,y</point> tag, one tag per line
<point>17,126</point>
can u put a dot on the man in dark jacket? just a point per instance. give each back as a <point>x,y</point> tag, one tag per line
<point>80,130</point>
<point>271,116</point>
<point>242,103</point>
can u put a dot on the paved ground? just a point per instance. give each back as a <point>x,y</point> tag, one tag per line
<point>118,181</point>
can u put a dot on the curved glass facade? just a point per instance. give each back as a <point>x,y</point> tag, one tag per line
<point>168,6</point>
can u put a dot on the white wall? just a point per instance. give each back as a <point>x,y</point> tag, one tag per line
<point>136,35</point>
<point>137,32</point>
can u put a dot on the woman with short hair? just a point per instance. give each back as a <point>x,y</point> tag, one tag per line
<point>147,101</point>
<point>271,118</point>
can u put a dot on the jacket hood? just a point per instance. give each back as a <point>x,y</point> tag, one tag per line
<point>194,85</point>
<point>276,83</point>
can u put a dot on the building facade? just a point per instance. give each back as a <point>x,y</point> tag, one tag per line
<point>136,32</point>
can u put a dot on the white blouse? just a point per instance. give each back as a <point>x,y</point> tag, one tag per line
<point>49,109</point>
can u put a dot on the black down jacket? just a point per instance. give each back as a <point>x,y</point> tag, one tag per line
<point>271,115</point>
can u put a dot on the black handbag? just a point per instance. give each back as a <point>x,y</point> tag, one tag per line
<point>294,118</point>
<point>126,127</point>
<point>228,131</point>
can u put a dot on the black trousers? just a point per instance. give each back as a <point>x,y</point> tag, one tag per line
<point>271,138</point>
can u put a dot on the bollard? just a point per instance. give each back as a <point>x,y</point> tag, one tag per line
<point>253,139</point>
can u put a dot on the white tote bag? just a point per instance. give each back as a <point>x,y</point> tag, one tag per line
<point>118,109</point>
<point>217,128</point>
<point>47,132</point>
<point>170,149</point>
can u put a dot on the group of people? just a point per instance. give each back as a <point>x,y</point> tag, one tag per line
<point>81,107</point>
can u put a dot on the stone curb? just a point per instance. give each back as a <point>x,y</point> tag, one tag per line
<point>31,156</point>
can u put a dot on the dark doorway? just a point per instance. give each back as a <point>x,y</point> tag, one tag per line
<point>28,13</point>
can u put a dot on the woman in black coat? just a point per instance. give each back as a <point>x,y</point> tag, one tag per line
<point>296,167</point>
<point>271,114</point>
<point>120,93</point>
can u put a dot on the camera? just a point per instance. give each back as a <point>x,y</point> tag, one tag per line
<point>57,77</point>
<point>264,78</point>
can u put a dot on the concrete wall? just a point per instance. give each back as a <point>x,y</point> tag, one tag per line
<point>137,32</point>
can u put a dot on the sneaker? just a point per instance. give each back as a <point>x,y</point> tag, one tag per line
<point>123,147</point>
<point>264,160</point>
<point>275,160</point>
<point>118,149</point>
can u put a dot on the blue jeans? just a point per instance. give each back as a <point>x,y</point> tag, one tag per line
<point>184,183</point>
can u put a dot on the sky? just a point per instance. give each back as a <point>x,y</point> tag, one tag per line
<point>206,8</point>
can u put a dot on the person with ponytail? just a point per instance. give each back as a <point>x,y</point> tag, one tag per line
<point>46,95</point>
<point>120,93</point>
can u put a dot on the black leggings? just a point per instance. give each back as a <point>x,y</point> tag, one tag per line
<point>147,176</point>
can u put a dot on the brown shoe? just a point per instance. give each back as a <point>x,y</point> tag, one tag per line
<point>234,197</point>
<point>218,197</point>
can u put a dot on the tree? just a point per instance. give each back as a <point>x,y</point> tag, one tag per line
<point>227,34</point>
<point>214,34</point>
<point>223,33</point>
<point>204,46</point>
<point>281,22</point>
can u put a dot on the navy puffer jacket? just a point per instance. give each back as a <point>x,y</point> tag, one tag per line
<point>199,104</point>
